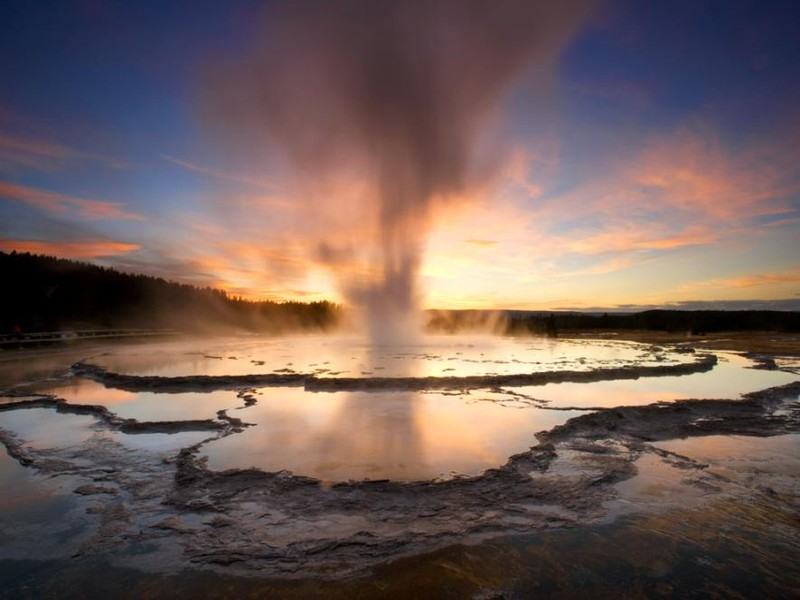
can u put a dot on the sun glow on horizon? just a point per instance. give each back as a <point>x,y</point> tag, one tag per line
<point>597,183</point>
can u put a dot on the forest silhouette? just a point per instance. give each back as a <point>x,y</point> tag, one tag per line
<point>45,293</point>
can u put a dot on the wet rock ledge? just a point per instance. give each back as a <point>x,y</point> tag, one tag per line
<point>311,382</point>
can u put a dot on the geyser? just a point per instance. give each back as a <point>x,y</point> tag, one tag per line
<point>381,111</point>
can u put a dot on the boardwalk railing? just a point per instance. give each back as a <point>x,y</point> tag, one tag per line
<point>58,337</point>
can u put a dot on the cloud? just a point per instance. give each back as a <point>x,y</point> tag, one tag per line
<point>221,174</point>
<point>518,171</point>
<point>69,249</point>
<point>672,190</point>
<point>791,277</point>
<point>48,156</point>
<point>632,237</point>
<point>64,205</point>
<point>662,201</point>
<point>792,304</point>
<point>690,172</point>
<point>482,243</point>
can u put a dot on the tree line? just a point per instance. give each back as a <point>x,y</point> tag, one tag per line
<point>696,322</point>
<point>45,293</point>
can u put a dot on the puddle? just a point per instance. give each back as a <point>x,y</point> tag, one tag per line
<point>44,428</point>
<point>145,406</point>
<point>731,377</point>
<point>687,472</point>
<point>158,442</point>
<point>745,459</point>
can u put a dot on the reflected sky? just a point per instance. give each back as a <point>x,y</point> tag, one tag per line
<point>730,378</point>
<point>394,435</point>
<point>736,456</point>
<point>146,406</point>
<point>337,436</point>
<point>773,462</point>
<point>45,428</point>
<point>28,497</point>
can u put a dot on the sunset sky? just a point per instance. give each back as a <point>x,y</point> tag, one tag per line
<point>647,155</point>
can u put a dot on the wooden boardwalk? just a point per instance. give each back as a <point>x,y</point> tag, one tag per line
<point>64,337</point>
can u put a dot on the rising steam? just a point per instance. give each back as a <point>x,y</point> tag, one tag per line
<point>381,111</point>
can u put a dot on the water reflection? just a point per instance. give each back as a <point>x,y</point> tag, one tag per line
<point>374,437</point>
<point>730,378</point>
<point>27,501</point>
<point>386,434</point>
<point>378,435</point>
<point>45,428</point>
<point>145,406</point>
<point>740,458</point>
<point>700,464</point>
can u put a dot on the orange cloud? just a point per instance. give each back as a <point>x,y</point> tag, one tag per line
<point>82,249</point>
<point>518,171</point>
<point>254,268</point>
<point>482,243</point>
<point>630,237</point>
<point>691,172</point>
<point>749,281</point>
<point>52,202</point>
<point>677,190</point>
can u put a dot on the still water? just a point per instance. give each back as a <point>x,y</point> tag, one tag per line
<point>339,436</point>
<point>657,534</point>
<point>351,357</point>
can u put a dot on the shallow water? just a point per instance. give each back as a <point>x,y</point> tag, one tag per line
<point>351,357</point>
<point>391,435</point>
<point>739,458</point>
<point>731,377</point>
<point>145,406</point>
<point>338,436</point>
<point>45,428</point>
<point>129,513</point>
<point>26,495</point>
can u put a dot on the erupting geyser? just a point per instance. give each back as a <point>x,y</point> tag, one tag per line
<point>381,110</point>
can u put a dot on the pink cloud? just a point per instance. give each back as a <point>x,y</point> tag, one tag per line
<point>46,156</point>
<point>62,204</point>
<point>675,190</point>
<point>691,172</point>
<point>626,237</point>
<point>791,276</point>
<point>78,249</point>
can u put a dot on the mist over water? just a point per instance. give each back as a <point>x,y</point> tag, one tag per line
<point>383,113</point>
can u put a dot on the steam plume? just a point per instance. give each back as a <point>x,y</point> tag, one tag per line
<point>380,109</point>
